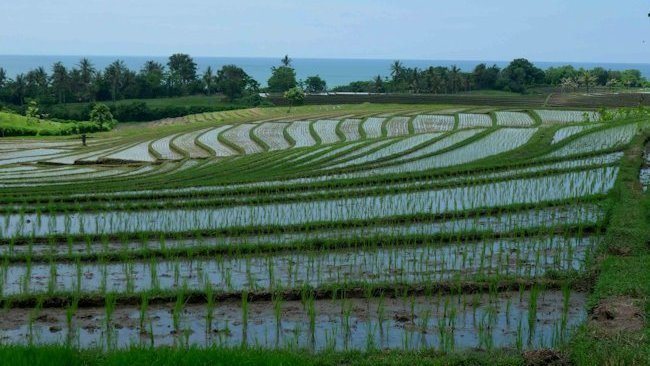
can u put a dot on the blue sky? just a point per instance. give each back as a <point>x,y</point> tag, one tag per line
<point>542,30</point>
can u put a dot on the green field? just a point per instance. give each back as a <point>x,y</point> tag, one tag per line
<point>32,126</point>
<point>333,234</point>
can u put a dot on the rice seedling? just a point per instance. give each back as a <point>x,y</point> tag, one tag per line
<point>424,231</point>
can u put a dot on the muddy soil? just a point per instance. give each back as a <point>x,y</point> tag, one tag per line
<point>446,322</point>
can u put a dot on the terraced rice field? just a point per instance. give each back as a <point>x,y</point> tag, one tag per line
<point>398,126</point>
<point>350,129</point>
<point>567,116</point>
<point>272,135</point>
<point>433,123</point>
<point>473,120</point>
<point>514,119</point>
<point>187,143</point>
<point>332,232</point>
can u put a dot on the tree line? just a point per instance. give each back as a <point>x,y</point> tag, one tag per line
<point>180,77</point>
<point>85,83</point>
<point>519,77</point>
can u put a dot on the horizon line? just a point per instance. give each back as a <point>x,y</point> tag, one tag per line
<point>330,58</point>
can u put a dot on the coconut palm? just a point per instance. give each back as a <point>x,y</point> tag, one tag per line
<point>37,82</point>
<point>454,78</point>
<point>3,77</point>
<point>114,74</point>
<point>60,81</point>
<point>415,80</point>
<point>378,84</point>
<point>588,80</point>
<point>19,88</point>
<point>208,80</point>
<point>86,74</point>
<point>397,70</point>
<point>286,61</point>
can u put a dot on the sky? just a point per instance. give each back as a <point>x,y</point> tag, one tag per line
<point>541,30</point>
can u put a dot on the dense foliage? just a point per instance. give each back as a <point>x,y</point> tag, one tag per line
<point>84,83</point>
<point>519,76</point>
<point>16,125</point>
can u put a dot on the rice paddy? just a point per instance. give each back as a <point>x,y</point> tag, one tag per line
<point>330,229</point>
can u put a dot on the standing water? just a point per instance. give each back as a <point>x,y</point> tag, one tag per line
<point>644,176</point>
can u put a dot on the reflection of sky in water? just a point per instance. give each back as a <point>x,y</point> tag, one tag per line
<point>477,321</point>
<point>521,191</point>
<point>398,264</point>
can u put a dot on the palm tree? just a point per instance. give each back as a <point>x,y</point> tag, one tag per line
<point>208,78</point>
<point>37,82</point>
<point>587,79</point>
<point>397,70</point>
<point>378,84</point>
<point>19,88</point>
<point>86,73</point>
<point>60,81</point>
<point>454,74</point>
<point>3,77</point>
<point>415,80</point>
<point>114,73</point>
<point>286,61</point>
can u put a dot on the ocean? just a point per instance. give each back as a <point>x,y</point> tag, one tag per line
<point>334,71</point>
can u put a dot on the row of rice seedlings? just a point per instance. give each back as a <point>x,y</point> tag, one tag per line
<point>495,143</point>
<point>372,127</point>
<point>566,132</point>
<point>513,119</point>
<point>25,156</point>
<point>210,141</point>
<point>498,142</point>
<point>498,222</point>
<point>220,173</point>
<point>397,126</point>
<point>472,120</point>
<point>444,143</point>
<point>433,123</point>
<point>558,116</point>
<point>523,319</point>
<point>326,131</point>
<point>526,257</point>
<point>42,172</point>
<point>350,129</point>
<point>326,183</point>
<point>139,152</point>
<point>272,134</point>
<point>240,135</point>
<point>300,132</point>
<point>396,148</point>
<point>329,154</point>
<point>600,140</point>
<point>519,191</point>
<point>161,148</point>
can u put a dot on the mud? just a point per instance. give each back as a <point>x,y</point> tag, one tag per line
<point>445,322</point>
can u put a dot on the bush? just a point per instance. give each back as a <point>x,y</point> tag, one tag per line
<point>141,112</point>
<point>69,128</point>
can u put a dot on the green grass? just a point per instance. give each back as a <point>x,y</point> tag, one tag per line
<point>29,126</point>
<point>29,356</point>
<point>192,100</point>
<point>623,270</point>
